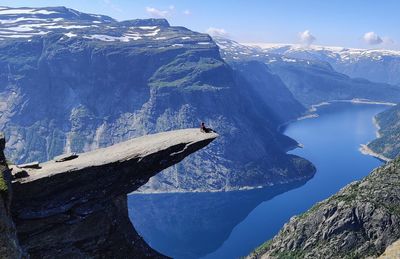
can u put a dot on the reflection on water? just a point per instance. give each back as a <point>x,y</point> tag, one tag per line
<point>175,222</point>
<point>230,225</point>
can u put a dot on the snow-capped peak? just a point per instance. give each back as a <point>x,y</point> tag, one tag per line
<point>342,52</point>
<point>25,23</point>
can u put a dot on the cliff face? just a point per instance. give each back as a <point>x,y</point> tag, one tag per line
<point>360,221</point>
<point>9,245</point>
<point>78,208</point>
<point>270,88</point>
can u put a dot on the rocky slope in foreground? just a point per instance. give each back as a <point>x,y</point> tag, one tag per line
<point>388,141</point>
<point>78,208</point>
<point>359,221</point>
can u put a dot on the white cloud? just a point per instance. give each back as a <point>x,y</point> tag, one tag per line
<point>372,38</point>
<point>219,32</point>
<point>306,37</point>
<point>154,12</point>
<point>187,12</point>
<point>387,41</point>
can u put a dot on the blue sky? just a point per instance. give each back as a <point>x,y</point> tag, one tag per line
<point>347,23</point>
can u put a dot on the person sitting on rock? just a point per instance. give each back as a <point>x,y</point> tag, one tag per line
<point>204,129</point>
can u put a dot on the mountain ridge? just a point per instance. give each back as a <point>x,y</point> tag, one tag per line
<point>310,80</point>
<point>68,86</point>
<point>377,65</point>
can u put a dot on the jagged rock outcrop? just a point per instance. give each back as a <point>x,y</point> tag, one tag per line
<point>359,221</point>
<point>78,208</point>
<point>9,245</point>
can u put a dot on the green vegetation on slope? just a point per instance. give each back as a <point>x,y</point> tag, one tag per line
<point>388,143</point>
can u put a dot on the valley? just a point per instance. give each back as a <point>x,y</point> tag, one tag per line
<point>232,224</point>
<point>297,129</point>
<point>82,83</point>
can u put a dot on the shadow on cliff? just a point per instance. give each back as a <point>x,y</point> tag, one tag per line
<point>78,208</point>
<point>192,225</point>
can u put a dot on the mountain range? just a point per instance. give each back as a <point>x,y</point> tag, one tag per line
<point>356,63</point>
<point>73,82</point>
<point>311,80</point>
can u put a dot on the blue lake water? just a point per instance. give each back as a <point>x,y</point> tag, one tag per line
<point>232,224</point>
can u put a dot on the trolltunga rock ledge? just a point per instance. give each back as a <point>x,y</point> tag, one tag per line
<point>78,207</point>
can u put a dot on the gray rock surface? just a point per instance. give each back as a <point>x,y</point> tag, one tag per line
<point>359,221</point>
<point>78,208</point>
<point>9,245</point>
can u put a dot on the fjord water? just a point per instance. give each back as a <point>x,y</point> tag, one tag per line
<point>232,224</point>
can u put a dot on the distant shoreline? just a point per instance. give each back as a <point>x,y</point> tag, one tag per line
<point>314,107</point>
<point>364,149</point>
<point>310,114</point>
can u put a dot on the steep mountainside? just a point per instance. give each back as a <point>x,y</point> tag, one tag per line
<point>359,221</point>
<point>270,88</point>
<point>388,141</point>
<point>310,81</point>
<point>75,82</point>
<point>312,84</point>
<point>373,64</point>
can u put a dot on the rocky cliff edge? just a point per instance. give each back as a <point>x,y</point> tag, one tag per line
<point>77,208</point>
